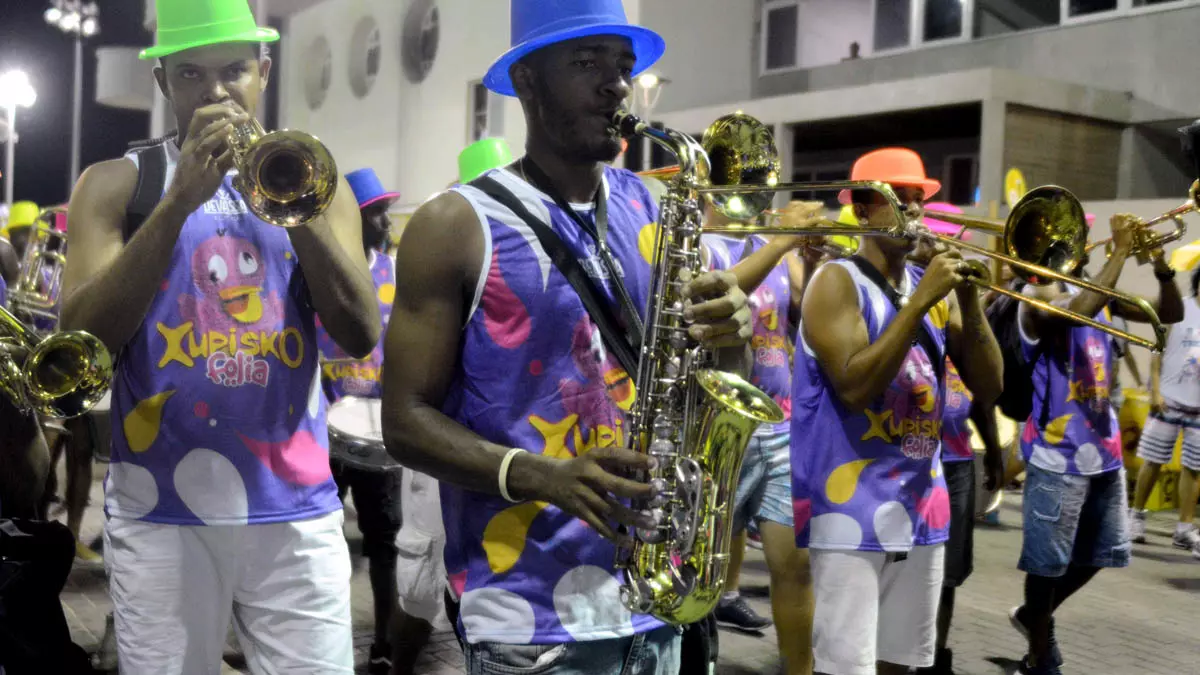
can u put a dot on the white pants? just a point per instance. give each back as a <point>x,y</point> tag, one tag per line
<point>420,567</point>
<point>286,585</point>
<point>870,608</point>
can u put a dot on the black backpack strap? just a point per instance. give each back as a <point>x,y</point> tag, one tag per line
<point>923,337</point>
<point>152,178</point>
<point>600,311</point>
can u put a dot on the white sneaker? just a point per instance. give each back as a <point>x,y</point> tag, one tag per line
<point>1137,526</point>
<point>1188,541</point>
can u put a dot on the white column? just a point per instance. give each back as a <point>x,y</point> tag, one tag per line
<point>991,152</point>
<point>785,141</point>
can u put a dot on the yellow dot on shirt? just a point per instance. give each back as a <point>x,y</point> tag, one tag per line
<point>646,241</point>
<point>940,314</point>
<point>387,293</point>
<point>287,255</point>
<point>843,481</point>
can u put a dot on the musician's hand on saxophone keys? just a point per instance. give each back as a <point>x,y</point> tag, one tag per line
<point>594,486</point>
<point>716,309</point>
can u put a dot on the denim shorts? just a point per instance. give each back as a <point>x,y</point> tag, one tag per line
<point>656,652</point>
<point>1080,520</point>
<point>764,489</point>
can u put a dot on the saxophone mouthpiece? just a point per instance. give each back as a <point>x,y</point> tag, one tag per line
<point>626,123</point>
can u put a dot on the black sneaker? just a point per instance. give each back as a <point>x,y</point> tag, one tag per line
<point>1048,668</point>
<point>1017,618</point>
<point>381,660</point>
<point>942,665</point>
<point>736,613</point>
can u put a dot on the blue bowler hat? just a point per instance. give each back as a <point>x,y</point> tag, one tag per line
<point>367,188</point>
<point>541,23</point>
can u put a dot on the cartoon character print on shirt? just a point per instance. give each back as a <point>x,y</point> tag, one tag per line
<point>769,344</point>
<point>228,324</point>
<point>1089,383</point>
<point>593,405</point>
<point>910,416</point>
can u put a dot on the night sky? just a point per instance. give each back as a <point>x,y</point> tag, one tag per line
<point>46,54</point>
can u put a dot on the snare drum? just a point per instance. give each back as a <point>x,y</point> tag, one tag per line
<point>356,434</point>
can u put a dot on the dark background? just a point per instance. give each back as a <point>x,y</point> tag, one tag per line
<point>27,42</point>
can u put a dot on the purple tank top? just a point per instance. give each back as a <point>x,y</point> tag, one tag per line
<point>3,292</point>
<point>956,434</point>
<point>535,374</point>
<point>345,376</point>
<point>1081,437</point>
<point>217,411</point>
<point>771,343</point>
<point>870,480</point>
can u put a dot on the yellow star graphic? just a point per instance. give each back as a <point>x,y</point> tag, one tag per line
<point>174,350</point>
<point>878,426</point>
<point>555,434</point>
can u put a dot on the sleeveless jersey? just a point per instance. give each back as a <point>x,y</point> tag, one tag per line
<point>346,376</point>
<point>1180,380</point>
<point>217,411</point>
<point>1081,437</point>
<point>534,373</point>
<point>956,435</point>
<point>871,479</point>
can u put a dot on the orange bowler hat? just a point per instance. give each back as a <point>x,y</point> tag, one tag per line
<point>898,167</point>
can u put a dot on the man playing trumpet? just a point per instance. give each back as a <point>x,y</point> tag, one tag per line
<point>219,496</point>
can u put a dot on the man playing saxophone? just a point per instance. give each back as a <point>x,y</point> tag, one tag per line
<point>499,383</point>
<point>219,497</point>
<point>870,498</point>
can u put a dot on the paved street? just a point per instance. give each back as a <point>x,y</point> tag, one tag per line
<point>1140,621</point>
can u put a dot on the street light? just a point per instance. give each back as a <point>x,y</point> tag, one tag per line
<point>81,19</point>
<point>15,92</point>
<point>648,88</point>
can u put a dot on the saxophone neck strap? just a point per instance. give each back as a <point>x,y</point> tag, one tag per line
<point>620,343</point>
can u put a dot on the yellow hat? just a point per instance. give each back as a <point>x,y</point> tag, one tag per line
<point>846,217</point>
<point>22,214</point>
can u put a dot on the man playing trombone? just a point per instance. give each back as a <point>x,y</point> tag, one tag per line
<point>1075,503</point>
<point>219,496</point>
<point>869,494</point>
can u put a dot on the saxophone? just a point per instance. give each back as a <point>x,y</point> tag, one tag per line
<point>696,421</point>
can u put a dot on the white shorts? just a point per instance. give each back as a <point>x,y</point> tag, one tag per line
<point>286,586</point>
<point>870,609</point>
<point>1157,444</point>
<point>420,567</point>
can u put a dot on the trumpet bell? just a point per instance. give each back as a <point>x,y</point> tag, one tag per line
<point>287,178</point>
<point>67,373</point>
<point>741,151</point>
<point>1047,227</point>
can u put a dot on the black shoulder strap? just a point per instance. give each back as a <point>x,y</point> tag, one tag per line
<point>152,178</point>
<point>600,311</point>
<point>923,337</point>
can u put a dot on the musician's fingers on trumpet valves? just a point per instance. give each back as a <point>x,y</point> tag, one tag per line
<point>206,155</point>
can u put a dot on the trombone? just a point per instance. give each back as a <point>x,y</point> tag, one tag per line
<point>35,293</point>
<point>1147,244</point>
<point>737,169</point>
<point>62,375</point>
<point>286,177</point>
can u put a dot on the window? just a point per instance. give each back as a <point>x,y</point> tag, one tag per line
<point>781,27</point>
<point>996,17</point>
<point>892,21</point>
<point>1086,7</point>
<point>487,113</point>
<point>961,177</point>
<point>943,19</point>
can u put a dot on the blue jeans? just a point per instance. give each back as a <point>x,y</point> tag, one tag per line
<point>1080,520</point>
<point>653,653</point>
<point>764,490</point>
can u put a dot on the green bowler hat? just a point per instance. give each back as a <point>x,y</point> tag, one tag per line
<point>482,156</point>
<point>187,24</point>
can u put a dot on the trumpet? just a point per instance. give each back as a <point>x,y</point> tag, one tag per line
<point>1044,236</point>
<point>35,293</point>
<point>1148,245</point>
<point>62,375</point>
<point>287,177</point>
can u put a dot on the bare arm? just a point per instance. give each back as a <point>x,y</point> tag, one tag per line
<point>1168,305</point>
<point>1088,303</point>
<point>1156,399</point>
<point>109,284</point>
<point>331,255</point>
<point>754,268</point>
<point>1131,363</point>
<point>860,370</point>
<point>972,346</point>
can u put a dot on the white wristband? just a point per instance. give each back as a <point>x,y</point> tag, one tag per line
<point>503,477</point>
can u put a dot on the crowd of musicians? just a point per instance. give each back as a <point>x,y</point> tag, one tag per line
<point>469,388</point>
